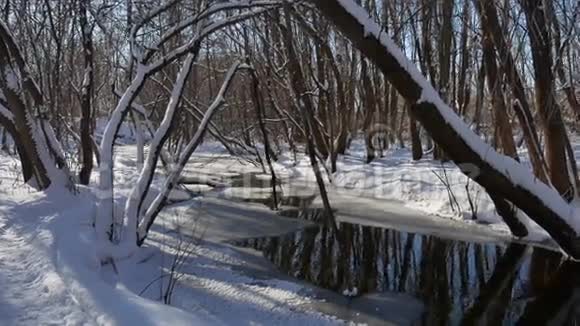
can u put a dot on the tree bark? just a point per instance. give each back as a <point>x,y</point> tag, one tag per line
<point>86,95</point>
<point>259,106</point>
<point>369,110</point>
<point>549,111</point>
<point>416,147</point>
<point>502,122</point>
<point>19,100</point>
<point>305,106</point>
<point>491,26</point>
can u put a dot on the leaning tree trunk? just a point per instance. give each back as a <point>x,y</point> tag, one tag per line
<point>134,206</point>
<point>21,96</point>
<point>259,106</point>
<point>172,179</point>
<point>496,173</point>
<point>503,133</point>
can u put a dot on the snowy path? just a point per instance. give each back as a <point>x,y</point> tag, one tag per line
<point>32,293</point>
<point>48,271</point>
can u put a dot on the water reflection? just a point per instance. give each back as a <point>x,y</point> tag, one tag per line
<point>252,180</point>
<point>284,201</point>
<point>459,282</point>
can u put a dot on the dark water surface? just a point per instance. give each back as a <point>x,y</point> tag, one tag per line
<point>459,282</point>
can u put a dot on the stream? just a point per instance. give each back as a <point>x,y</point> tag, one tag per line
<point>459,282</point>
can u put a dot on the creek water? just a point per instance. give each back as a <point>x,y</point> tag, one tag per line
<point>459,282</point>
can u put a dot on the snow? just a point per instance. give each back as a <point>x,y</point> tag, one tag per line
<point>133,210</point>
<point>50,271</point>
<point>48,275</point>
<point>350,293</point>
<point>57,177</point>
<point>6,113</point>
<point>105,211</point>
<point>408,190</point>
<point>12,79</point>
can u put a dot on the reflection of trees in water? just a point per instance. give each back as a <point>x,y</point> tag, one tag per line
<point>459,282</point>
<point>494,296</point>
<point>558,302</point>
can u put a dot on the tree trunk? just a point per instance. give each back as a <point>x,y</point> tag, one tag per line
<point>553,125</point>
<point>559,49</point>
<point>86,95</point>
<point>40,167</point>
<point>502,124</point>
<point>259,106</point>
<point>491,26</point>
<point>368,100</point>
<point>173,177</point>
<point>416,146</point>
<point>463,87</point>
<point>444,60</point>
<point>306,110</point>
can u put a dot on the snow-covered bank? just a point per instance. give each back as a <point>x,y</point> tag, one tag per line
<point>50,274</point>
<point>426,186</point>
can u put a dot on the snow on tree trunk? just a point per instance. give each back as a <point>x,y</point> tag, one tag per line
<point>497,173</point>
<point>139,138</point>
<point>19,98</point>
<point>107,225</point>
<point>134,203</point>
<point>174,175</point>
<point>104,219</point>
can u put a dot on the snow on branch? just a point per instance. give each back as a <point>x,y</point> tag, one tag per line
<point>140,190</point>
<point>173,178</point>
<point>15,54</point>
<point>6,113</point>
<point>105,214</point>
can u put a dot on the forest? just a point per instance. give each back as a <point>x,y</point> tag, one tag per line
<point>163,159</point>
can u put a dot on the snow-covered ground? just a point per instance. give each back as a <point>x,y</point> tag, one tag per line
<point>48,269</point>
<point>49,273</point>
<point>434,191</point>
